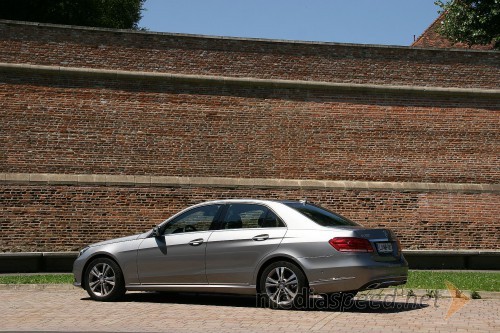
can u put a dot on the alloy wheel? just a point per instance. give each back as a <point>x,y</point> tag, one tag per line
<point>282,286</point>
<point>102,279</point>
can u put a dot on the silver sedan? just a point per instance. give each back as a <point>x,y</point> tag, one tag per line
<point>280,250</point>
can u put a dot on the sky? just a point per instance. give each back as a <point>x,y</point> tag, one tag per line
<point>386,22</point>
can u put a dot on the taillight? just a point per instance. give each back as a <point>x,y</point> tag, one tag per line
<point>351,244</point>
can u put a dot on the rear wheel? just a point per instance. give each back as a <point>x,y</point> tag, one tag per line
<point>284,286</point>
<point>104,280</point>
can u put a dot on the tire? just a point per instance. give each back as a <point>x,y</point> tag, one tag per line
<point>284,286</point>
<point>103,280</point>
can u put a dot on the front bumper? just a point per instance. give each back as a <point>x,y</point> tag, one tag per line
<point>78,267</point>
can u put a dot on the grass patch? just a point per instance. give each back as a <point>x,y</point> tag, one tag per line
<point>417,279</point>
<point>484,281</point>
<point>37,279</point>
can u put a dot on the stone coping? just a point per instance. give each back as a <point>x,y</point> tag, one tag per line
<point>175,181</point>
<point>272,83</point>
<point>243,39</point>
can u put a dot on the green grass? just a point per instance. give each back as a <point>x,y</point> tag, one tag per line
<point>36,279</point>
<point>462,280</point>
<point>478,281</point>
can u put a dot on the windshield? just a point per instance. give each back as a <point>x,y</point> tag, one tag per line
<point>320,215</point>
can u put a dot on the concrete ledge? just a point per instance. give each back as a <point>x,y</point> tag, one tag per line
<point>227,80</point>
<point>36,262</point>
<point>168,181</point>
<point>23,262</point>
<point>450,259</point>
<point>58,261</point>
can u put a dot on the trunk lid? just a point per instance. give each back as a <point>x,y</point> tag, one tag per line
<point>385,244</point>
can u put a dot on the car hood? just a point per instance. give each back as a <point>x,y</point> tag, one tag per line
<point>117,240</point>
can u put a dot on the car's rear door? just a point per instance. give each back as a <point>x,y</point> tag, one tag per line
<point>178,255</point>
<point>247,234</point>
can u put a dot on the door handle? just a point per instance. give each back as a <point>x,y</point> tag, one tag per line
<point>261,237</point>
<point>196,242</point>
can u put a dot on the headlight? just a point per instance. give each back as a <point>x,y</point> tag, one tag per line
<point>83,250</point>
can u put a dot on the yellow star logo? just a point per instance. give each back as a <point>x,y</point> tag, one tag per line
<point>458,299</point>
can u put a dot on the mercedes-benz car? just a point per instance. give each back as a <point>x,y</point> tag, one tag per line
<point>279,250</point>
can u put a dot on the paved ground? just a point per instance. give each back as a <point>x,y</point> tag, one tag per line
<point>70,310</point>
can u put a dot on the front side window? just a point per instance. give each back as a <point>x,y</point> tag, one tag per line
<point>320,215</point>
<point>196,219</point>
<point>250,216</point>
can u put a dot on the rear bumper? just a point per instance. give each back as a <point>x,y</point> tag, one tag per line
<point>386,282</point>
<point>355,273</point>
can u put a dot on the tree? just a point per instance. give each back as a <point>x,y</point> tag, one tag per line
<point>473,22</point>
<point>118,14</point>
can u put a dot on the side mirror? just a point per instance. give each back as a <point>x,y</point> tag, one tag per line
<point>156,232</point>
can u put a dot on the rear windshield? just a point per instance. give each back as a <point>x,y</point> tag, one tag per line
<point>320,215</point>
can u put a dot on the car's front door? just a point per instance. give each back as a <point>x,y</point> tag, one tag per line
<point>178,255</point>
<point>247,234</point>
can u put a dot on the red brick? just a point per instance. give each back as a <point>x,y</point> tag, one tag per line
<point>80,124</point>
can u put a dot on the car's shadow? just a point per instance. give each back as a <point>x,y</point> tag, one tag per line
<point>366,305</point>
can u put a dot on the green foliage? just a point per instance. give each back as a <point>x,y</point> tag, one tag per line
<point>463,280</point>
<point>473,22</point>
<point>118,14</point>
<point>36,278</point>
<point>432,281</point>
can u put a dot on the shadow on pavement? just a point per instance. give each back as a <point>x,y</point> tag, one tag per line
<point>361,306</point>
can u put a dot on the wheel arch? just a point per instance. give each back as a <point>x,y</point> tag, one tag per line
<point>97,256</point>
<point>269,261</point>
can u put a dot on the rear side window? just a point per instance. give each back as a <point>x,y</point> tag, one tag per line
<point>320,215</point>
<point>250,216</point>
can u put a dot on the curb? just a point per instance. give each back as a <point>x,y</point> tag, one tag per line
<point>442,293</point>
<point>35,287</point>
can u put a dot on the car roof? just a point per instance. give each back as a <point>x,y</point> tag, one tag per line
<point>250,200</point>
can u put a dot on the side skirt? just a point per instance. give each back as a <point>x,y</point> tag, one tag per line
<point>200,288</point>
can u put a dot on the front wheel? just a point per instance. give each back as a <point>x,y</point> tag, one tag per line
<point>104,280</point>
<point>284,286</point>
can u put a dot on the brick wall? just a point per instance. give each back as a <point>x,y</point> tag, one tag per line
<point>65,218</point>
<point>101,126</point>
<point>70,123</point>
<point>87,48</point>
